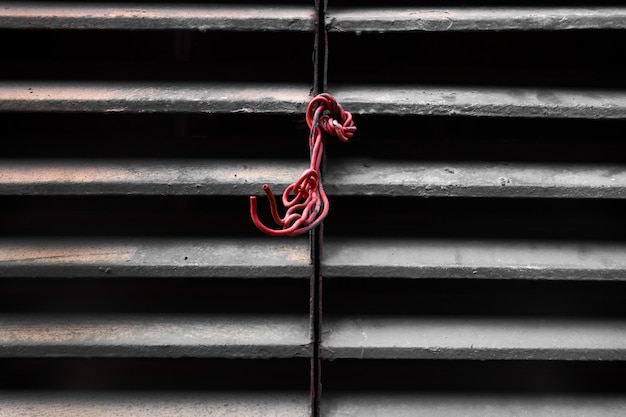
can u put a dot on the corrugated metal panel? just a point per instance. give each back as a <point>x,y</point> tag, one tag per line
<point>128,262</point>
<point>474,259</point>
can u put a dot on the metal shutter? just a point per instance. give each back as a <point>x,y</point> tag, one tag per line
<point>474,259</point>
<point>133,282</point>
<point>472,263</point>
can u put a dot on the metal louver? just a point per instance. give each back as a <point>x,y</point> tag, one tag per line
<point>472,263</point>
<point>133,281</point>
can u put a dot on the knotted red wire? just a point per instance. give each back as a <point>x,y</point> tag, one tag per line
<point>305,199</point>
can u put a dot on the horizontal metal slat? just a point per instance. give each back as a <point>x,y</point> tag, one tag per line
<point>468,179</point>
<point>154,404</point>
<point>495,102</point>
<point>499,259</point>
<point>90,257</point>
<point>353,404</point>
<point>63,15</point>
<point>141,97</point>
<point>398,337</point>
<point>344,177</point>
<point>475,19</point>
<point>161,336</point>
<point>146,177</point>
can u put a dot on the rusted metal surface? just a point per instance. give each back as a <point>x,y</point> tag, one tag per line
<point>475,179</point>
<point>144,177</point>
<point>163,336</point>
<point>141,97</point>
<point>173,257</point>
<point>406,337</point>
<point>496,102</point>
<point>63,15</point>
<point>396,404</point>
<point>153,404</point>
<point>454,258</point>
<point>475,19</point>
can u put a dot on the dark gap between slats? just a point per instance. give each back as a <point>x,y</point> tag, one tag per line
<point>437,138</point>
<point>474,298</point>
<point>476,218</point>
<point>144,295</point>
<point>130,216</point>
<point>157,55</point>
<point>82,135</point>
<point>531,377</point>
<point>154,374</point>
<point>579,59</point>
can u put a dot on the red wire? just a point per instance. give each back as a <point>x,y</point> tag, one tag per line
<point>306,202</point>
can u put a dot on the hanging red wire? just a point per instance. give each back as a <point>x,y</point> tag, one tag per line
<point>305,199</point>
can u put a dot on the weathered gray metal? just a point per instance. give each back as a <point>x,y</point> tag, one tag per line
<point>154,404</point>
<point>492,338</point>
<point>155,257</point>
<point>141,97</point>
<point>456,258</point>
<point>63,15</point>
<point>344,177</point>
<point>475,19</point>
<point>487,101</point>
<point>155,335</point>
<point>410,404</point>
<point>474,179</point>
<point>145,177</point>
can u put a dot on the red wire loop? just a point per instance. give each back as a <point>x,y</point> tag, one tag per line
<point>306,202</point>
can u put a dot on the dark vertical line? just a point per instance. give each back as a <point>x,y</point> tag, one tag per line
<point>320,65</point>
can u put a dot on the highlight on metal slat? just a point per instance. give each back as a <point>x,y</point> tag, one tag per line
<point>475,19</point>
<point>142,97</point>
<point>457,258</point>
<point>475,179</point>
<point>154,335</point>
<point>64,15</point>
<point>22,403</point>
<point>487,101</point>
<point>405,404</point>
<point>154,258</point>
<point>145,177</point>
<point>489,338</point>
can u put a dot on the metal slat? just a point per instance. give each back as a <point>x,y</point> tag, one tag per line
<point>358,404</point>
<point>141,97</point>
<point>495,102</point>
<point>89,257</point>
<point>146,177</point>
<point>344,177</point>
<point>467,179</point>
<point>154,404</point>
<point>475,19</point>
<point>400,337</point>
<point>160,336</point>
<point>63,15</point>
<point>498,259</point>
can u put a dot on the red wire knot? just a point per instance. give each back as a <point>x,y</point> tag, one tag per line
<point>306,202</point>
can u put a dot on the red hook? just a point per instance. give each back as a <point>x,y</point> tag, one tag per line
<point>306,202</point>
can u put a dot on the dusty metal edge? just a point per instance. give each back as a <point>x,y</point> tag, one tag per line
<point>435,353</point>
<point>420,19</point>
<point>111,16</point>
<point>142,97</point>
<point>482,102</point>
<point>204,258</point>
